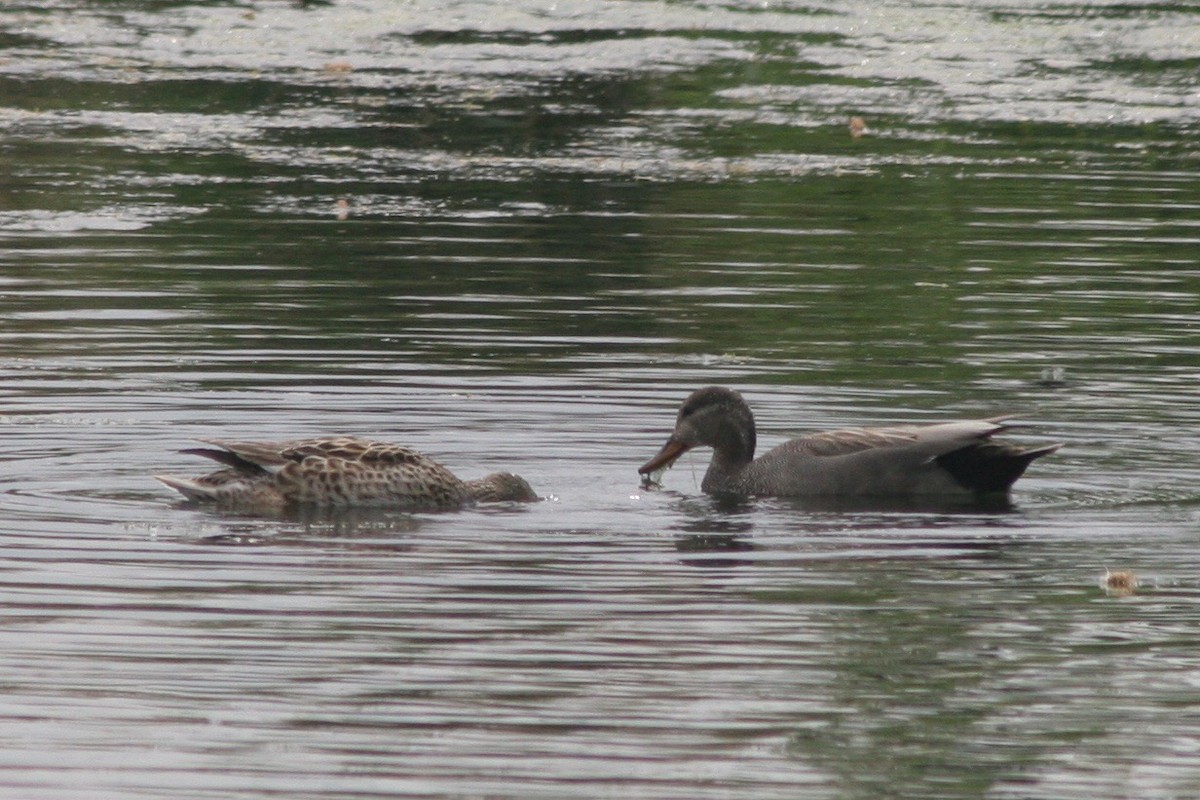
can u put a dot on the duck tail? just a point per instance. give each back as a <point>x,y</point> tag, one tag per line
<point>189,488</point>
<point>989,466</point>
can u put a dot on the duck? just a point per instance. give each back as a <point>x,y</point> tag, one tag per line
<point>947,459</point>
<point>335,472</point>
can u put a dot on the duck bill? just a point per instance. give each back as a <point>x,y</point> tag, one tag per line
<point>670,453</point>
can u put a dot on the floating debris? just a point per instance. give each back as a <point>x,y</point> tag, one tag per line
<point>1121,583</point>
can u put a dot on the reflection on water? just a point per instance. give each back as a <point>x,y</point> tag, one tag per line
<point>512,236</point>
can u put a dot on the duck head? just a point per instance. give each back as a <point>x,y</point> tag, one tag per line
<point>501,487</point>
<point>715,417</point>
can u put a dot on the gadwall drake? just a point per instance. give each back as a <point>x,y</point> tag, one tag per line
<point>336,472</point>
<point>953,458</point>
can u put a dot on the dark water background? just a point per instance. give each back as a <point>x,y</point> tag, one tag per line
<point>557,219</point>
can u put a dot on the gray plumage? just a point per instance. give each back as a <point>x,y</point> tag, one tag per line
<point>952,458</point>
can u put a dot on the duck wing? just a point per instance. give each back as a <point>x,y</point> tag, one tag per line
<point>247,458</point>
<point>345,471</point>
<point>965,451</point>
<point>928,441</point>
<point>345,448</point>
<point>905,459</point>
<point>256,458</point>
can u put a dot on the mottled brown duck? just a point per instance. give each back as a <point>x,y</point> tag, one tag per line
<point>339,472</point>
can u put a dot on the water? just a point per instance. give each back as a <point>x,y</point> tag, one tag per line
<point>515,236</point>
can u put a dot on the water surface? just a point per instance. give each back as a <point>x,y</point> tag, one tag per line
<point>515,236</point>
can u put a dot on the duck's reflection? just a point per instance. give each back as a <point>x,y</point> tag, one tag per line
<point>724,524</point>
